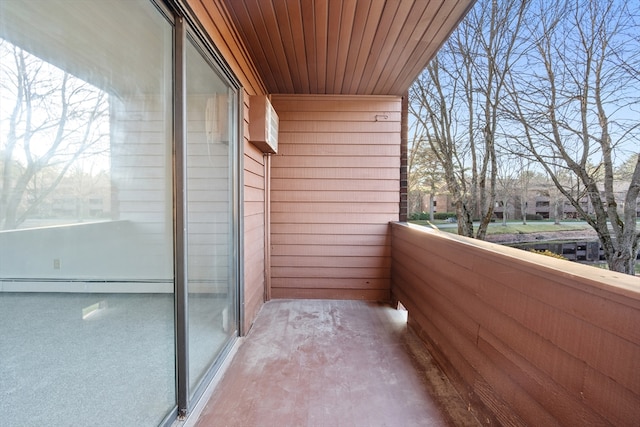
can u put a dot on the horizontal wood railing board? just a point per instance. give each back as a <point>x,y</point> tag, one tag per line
<point>474,366</point>
<point>603,393</point>
<point>527,395</point>
<point>564,407</point>
<point>567,298</point>
<point>551,348</point>
<point>524,340</point>
<point>448,354</point>
<point>578,301</point>
<point>438,302</point>
<point>542,316</point>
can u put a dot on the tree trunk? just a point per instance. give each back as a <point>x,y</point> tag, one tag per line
<point>504,213</point>
<point>623,261</point>
<point>431,197</point>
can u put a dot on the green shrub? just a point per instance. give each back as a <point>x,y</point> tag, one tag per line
<point>444,215</point>
<point>424,216</point>
<point>418,216</point>
<point>534,217</point>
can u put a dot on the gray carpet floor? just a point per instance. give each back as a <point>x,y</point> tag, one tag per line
<point>97,359</point>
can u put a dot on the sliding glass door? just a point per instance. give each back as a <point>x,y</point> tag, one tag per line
<point>210,106</point>
<point>118,281</point>
<point>86,212</point>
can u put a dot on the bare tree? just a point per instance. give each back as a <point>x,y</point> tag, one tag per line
<point>525,177</point>
<point>425,175</point>
<point>624,172</point>
<point>456,100</point>
<point>571,95</point>
<point>508,183</point>
<point>54,119</point>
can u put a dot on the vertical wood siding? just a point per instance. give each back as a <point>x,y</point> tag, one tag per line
<point>535,340</point>
<point>215,20</point>
<point>334,189</point>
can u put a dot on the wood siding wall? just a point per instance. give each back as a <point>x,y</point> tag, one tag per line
<point>334,189</point>
<point>254,224</point>
<point>535,340</point>
<point>215,20</point>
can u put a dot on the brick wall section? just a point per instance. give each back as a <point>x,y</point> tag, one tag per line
<point>528,339</point>
<point>404,159</point>
<point>334,188</point>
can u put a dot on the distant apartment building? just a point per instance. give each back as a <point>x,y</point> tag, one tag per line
<point>540,202</point>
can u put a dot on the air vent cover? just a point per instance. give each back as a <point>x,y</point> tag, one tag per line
<point>263,124</point>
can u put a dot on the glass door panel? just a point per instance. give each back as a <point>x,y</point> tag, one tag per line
<point>86,213</point>
<point>210,279</point>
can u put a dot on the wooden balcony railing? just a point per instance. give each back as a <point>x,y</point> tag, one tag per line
<point>527,339</point>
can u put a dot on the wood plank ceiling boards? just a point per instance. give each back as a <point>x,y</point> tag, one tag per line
<point>357,47</point>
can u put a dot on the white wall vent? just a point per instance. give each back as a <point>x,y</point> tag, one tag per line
<point>263,124</point>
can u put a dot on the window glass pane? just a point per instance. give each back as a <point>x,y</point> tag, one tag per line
<point>211,288</point>
<point>86,246</point>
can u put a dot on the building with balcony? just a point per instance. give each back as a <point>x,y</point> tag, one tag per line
<point>256,155</point>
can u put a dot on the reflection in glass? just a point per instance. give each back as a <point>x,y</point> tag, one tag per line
<point>86,247</point>
<point>55,144</point>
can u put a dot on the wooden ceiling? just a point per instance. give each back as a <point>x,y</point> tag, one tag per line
<point>344,46</point>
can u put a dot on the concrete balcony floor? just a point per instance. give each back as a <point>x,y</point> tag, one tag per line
<point>333,363</point>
